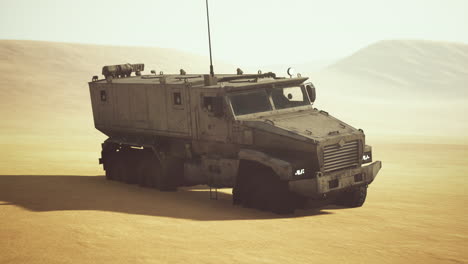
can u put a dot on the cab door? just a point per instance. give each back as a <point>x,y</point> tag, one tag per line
<point>213,124</point>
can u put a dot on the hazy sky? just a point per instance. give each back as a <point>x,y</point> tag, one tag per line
<point>247,32</point>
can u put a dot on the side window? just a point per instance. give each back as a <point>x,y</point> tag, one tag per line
<point>177,98</point>
<point>213,105</point>
<point>208,103</point>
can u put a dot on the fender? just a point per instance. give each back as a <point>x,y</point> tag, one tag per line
<point>281,167</point>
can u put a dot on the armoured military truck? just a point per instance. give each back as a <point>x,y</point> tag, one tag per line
<point>257,133</point>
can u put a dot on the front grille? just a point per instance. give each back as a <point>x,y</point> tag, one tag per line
<point>337,158</point>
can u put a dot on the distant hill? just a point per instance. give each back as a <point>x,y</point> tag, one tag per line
<point>398,87</point>
<point>412,67</point>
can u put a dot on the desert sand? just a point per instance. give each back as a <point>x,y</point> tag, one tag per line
<point>56,208</point>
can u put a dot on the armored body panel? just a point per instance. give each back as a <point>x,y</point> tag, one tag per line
<point>123,106</point>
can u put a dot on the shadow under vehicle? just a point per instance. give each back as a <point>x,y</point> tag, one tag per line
<point>257,133</point>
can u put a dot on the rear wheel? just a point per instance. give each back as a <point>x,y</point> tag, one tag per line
<point>120,167</point>
<point>160,171</point>
<point>120,164</point>
<point>110,165</point>
<point>172,172</point>
<point>149,171</point>
<point>109,160</point>
<point>132,159</point>
<point>143,166</point>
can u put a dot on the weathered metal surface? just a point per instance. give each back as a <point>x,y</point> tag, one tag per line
<point>282,168</point>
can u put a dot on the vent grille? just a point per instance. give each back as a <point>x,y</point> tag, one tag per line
<point>337,158</point>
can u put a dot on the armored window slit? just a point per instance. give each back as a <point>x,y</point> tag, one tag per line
<point>103,95</point>
<point>177,98</point>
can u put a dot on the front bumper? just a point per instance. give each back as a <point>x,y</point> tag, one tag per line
<point>323,184</point>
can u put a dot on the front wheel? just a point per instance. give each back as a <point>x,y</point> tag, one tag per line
<point>353,198</point>
<point>259,187</point>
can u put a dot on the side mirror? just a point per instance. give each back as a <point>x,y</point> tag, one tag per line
<point>311,92</point>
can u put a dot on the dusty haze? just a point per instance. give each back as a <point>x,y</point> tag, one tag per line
<point>409,97</point>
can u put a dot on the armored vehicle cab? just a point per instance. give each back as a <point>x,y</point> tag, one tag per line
<point>257,133</point>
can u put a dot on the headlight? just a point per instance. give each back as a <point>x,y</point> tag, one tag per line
<point>367,155</point>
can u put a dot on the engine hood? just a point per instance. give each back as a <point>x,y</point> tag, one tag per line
<point>307,125</point>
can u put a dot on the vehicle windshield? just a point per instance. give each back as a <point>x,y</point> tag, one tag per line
<point>250,102</point>
<point>259,100</point>
<point>288,97</point>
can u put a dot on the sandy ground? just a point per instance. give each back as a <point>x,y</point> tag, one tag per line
<point>415,213</point>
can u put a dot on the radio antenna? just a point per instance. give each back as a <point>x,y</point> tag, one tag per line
<point>209,39</point>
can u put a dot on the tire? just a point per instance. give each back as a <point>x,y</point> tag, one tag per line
<point>172,172</point>
<point>143,173</point>
<point>110,165</point>
<point>160,171</point>
<point>149,171</point>
<point>120,170</point>
<point>259,187</point>
<point>255,195</point>
<point>281,199</point>
<point>243,186</point>
<point>121,166</point>
<point>109,161</point>
<point>131,159</point>
<point>353,198</point>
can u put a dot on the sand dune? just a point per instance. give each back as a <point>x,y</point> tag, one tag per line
<point>400,88</point>
<point>420,68</point>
